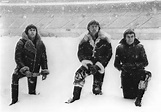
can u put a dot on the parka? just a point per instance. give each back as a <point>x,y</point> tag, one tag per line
<point>134,55</point>
<point>95,50</point>
<point>31,54</point>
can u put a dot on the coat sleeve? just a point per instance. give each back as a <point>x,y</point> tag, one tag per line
<point>104,59</point>
<point>19,54</point>
<point>44,64</point>
<point>84,52</point>
<point>117,61</point>
<point>143,61</point>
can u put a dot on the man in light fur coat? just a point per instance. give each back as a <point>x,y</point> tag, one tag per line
<point>30,55</point>
<point>94,53</point>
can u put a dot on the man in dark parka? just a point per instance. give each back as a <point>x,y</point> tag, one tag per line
<point>94,52</point>
<point>131,60</point>
<point>30,56</point>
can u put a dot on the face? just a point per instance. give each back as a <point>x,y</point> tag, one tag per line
<point>93,29</point>
<point>32,33</point>
<point>130,39</point>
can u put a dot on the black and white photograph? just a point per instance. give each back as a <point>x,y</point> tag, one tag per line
<point>80,55</point>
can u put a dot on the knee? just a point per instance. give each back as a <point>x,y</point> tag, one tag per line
<point>145,75</point>
<point>79,78</point>
<point>80,74</point>
<point>129,93</point>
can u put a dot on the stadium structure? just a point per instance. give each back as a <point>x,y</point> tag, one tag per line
<point>69,18</point>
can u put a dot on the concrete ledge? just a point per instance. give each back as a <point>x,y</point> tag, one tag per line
<point>145,34</point>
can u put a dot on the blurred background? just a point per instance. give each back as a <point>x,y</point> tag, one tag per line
<point>69,18</point>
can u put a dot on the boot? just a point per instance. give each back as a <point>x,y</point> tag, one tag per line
<point>138,102</point>
<point>76,94</point>
<point>139,97</point>
<point>32,85</point>
<point>97,91</point>
<point>14,94</point>
<point>97,88</point>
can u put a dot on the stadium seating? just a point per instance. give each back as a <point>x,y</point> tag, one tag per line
<point>67,19</point>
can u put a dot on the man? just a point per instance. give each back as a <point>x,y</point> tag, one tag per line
<point>30,55</point>
<point>131,60</point>
<point>94,53</point>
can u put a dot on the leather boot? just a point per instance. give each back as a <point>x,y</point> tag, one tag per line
<point>14,93</point>
<point>76,94</point>
<point>32,82</point>
<point>139,97</point>
<point>97,88</point>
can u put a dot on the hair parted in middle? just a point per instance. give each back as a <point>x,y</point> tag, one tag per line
<point>93,22</point>
<point>29,27</point>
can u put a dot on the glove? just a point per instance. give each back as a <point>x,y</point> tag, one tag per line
<point>93,69</point>
<point>25,71</point>
<point>44,77</point>
<point>28,74</point>
<point>44,73</point>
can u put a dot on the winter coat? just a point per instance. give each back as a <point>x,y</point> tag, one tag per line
<point>95,50</point>
<point>29,54</point>
<point>133,55</point>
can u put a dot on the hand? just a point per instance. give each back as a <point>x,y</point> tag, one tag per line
<point>93,69</point>
<point>24,69</point>
<point>28,74</point>
<point>35,74</point>
<point>44,73</point>
<point>44,77</point>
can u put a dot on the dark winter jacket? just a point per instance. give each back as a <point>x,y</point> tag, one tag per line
<point>133,56</point>
<point>31,54</point>
<point>95,50</point>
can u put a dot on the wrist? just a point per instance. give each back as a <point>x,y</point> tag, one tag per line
<point>44,71</point>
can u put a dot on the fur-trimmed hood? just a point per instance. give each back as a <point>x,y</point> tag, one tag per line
<point>31,54</point>
<point>29,45</point>
<point>24,36</point>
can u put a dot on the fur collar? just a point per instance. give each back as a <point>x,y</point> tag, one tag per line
<point>101,35</point>
<point>29,45</point>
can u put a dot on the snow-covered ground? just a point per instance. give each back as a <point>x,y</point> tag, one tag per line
<point>58,87</point>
